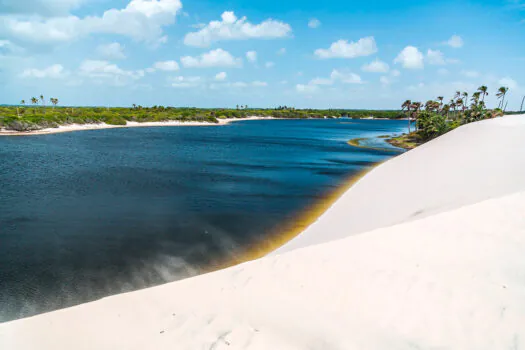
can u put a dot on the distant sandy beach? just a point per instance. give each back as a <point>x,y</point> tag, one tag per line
<point>100,126</point>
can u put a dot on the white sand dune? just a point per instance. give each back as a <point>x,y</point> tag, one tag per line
<point>475,162</point>
<point>449,275</point>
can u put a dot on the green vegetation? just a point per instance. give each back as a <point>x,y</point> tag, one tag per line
<point>437,118</point>
<point>35,117</point>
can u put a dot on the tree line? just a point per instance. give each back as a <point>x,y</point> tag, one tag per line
<point>436,117</point>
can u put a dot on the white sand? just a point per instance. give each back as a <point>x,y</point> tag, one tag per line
<point>80,127</point>
<point>452,277</point>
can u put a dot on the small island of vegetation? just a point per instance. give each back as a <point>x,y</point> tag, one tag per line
<point>436,118</point>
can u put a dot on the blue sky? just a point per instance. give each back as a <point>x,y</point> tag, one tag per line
<point>332,54</point>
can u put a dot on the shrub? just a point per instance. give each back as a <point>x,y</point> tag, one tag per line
<point>431,125</point>
<point>115,120</point>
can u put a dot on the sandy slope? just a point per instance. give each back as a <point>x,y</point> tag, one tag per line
<point>450,278</point>
<point>470,164</point>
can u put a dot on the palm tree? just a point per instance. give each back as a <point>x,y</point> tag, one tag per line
<point>54,101</point>
<point>416,107</point>
<point>18,110</point>
<point>406,105</point>
<point>440,99</point>
<point>475,99</point>
<point>445,110</point>
<point>429,105</point>
<point>502,91</point>
<point>460,103</point>
<point>483,89</point>
<point>465,98</point>
<point>453,105</point>
<point>43,103</point>
<point>34,101</point>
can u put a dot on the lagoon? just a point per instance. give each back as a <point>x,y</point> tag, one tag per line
<point>88,214</point>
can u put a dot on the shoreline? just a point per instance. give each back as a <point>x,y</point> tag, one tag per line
<point>356,142</point>
<point>301,223</point>
<point>129,124</point>
<point>406,141</point>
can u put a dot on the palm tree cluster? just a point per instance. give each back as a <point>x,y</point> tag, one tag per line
<point>34,102</point>
<point>438,117</point>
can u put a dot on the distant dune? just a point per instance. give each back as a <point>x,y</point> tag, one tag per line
<point>438,264</point>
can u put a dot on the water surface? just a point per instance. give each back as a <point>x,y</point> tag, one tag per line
<point>89,214</point>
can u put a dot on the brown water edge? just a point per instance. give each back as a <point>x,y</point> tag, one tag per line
<point>294,228</point>
<point>298,225</point>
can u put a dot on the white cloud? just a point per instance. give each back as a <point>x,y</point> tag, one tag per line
<point>308,89</point>
<point>410,58</point>
<point>269,64</point>
<point>141,20</point>
<point>376,66</point>
<point>344,49</point>
<point>435,57</point>
<point>168,66</point>
<point>281,51</point>
<point>314,23</point>
<point>221,76</point>
<point>455,41</point>
<point>335,77</point>
<point>321,81</point>
<point>470,73</point>
<point>346,77</point>
<point>8,47</point>
<point>232,28</point>
<point>184,82</point>
<point>239,84</point>
<point>113,51</point>
<point>214,58</point>
<point>508,82</point>
<point>251,56</point>
<point>104,71</point>
<point>55,71</point>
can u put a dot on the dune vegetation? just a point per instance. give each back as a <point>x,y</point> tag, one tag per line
<point>437,117</point>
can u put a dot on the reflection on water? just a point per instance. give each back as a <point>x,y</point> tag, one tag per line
<point>89,214</point>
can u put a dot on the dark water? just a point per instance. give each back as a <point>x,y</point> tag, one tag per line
<point>88,214</point>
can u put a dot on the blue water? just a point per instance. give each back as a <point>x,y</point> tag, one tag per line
<point>89,214</point>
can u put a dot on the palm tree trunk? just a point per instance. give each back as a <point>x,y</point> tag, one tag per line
<point>408,115</point>
<point>17,112</point>
<point>523,100</point>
